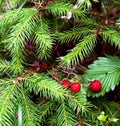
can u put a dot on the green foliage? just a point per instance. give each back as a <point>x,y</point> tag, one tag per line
<point>81,50</point>
<point>41,40</point>
<point>5,66</point>
<point>9,91</point>
<point>45,85</point>
<point>107,70</point>
<point>62,8</point>
<point>65,116</point>
<point>30,112</point>
<point>111,36</point>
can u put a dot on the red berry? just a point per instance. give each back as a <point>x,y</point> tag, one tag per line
<point>96,86</point>
<point>66,83</point>
<point>75,87</point>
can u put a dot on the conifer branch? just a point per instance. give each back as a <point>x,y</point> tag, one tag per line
<point>45,110</point>
<point>29,111</point>
<point>65,116</point>
<point>16,40</point>
<point>81,50</point>
<point>45,85</point>
<point>74,35</point>
<point>111,36</point>
<point>43,40</point>
<point>7,102</point>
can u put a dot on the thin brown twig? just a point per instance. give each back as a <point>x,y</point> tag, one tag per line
<point>113,116</point>
<point>79,120</point>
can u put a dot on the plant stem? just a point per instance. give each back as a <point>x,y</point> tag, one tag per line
<point>113,116</point>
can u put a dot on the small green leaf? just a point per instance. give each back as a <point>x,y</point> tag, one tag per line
<point>105,69</point>
<point>102,117</point>
<point>115,119</point>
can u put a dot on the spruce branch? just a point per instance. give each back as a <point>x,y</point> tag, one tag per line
<point>29,111</point>
<point>7,102</point>
<point>74,35</point>
<point>5,66</point>
<point>81,50</point>
<point>16,39</point>
<point>17,3</point>
<point>65,116</point>
<point>43,40</point>
<point>62,9</point>
<point>8,19</point>
<point>45,110</point>
<point>111,36</point>
<point>46,86</point>
<point>78,102</point>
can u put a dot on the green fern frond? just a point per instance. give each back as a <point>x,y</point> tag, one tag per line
<point>16,39</point>
<point>8,92</point>
<point>111,36</point>
<point>107,70</point>
<point>29,111</point>
<point>81,50</point>
<point>74,35</point>
<point>45,85</point>
<point>65,116</point>
<point>43,40</point>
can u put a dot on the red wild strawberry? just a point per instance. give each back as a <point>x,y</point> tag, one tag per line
<point>96,86</point>
<point>75,87</point>
<point>66,83</point>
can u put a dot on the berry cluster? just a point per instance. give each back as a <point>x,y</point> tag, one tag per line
<point>95,86</point>
<point>75,87</point>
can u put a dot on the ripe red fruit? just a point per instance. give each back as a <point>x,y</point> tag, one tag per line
<point>75,87</point>
<point>96,86</point>
<point>66,83</point>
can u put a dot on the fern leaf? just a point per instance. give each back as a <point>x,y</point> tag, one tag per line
<point>81,50</point>
<point>65,116</point>
<point>45,85</point>
<point>111,36</point>
<point>107,70</point>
